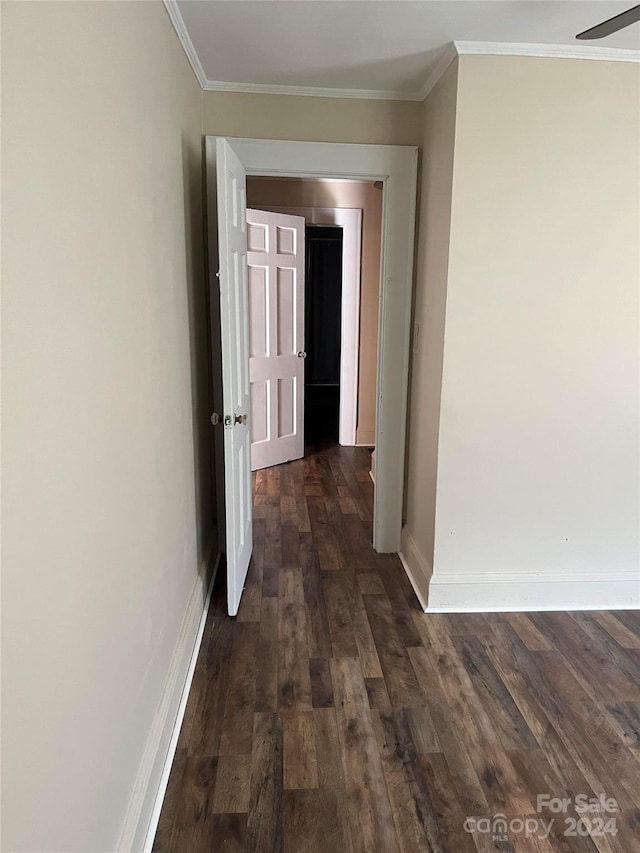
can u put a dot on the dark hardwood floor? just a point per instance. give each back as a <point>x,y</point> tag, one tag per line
<point>333,715</point>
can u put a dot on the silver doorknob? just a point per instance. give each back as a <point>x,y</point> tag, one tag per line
<point>241,419</point>
<point>302,354</point>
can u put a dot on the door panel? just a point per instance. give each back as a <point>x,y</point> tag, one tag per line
<point>234,325</point>
<point>276,331</point>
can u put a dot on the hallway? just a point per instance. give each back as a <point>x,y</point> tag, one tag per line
<point>333,715</point>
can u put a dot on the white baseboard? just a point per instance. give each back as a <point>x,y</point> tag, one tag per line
<point>365,438</point>
<point>531,592</point>
<point>144,807</point>
<point>493,592</point>
<point>416,566</point>
<point>166,770</point>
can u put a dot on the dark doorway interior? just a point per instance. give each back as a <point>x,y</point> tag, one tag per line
<point>323,315</point>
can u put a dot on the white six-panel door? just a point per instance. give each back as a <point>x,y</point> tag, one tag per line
<point>232,252</point>
<point>275,244</point>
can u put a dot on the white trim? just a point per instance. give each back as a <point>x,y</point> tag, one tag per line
<point>416,566</point>
<point>271,88</point>
<point>412,581</point>
<point>558,51</point>
<point>310,91</point>
<point>450,51</point>
<point>146,798</point>
<point>168,762</point>
<point>180,27</point>
<point>350,219</point>
<point>492,592</point>
<point>447,57</point>
<point>547,577</point>
<point>365,438</point>
<point>396,165</point>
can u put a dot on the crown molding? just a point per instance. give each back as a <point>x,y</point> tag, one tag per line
<point>557,51</point>
<point>177,20</point>
<point>497,48</point>
<point>450,52</point>
<point>310,91</point>
<point>448,55</point>
<point>185,40</point>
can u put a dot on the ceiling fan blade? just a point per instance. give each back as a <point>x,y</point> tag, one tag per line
<point>612,25</point>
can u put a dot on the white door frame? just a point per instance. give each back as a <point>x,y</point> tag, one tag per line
<point>350,220</point>
<point>396,166</point>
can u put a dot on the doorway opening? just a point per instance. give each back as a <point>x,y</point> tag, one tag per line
<point>340,333</point>
<point>230,162</point>
<point>323,315</point>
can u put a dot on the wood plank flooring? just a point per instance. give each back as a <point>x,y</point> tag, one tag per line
<point>333,715</point>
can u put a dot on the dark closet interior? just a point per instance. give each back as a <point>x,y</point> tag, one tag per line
<point>323,316</point>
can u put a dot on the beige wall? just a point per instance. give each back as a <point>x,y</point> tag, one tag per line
<point>537,472</point>
<point>294,193</point>
<point>104,396</point>
<point>429,318</point>
<point>312,119</point>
